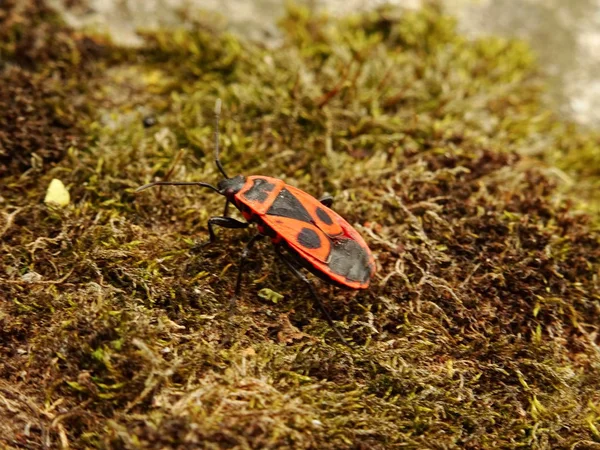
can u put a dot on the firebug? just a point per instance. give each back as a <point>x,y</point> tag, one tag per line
<point>305,232</point>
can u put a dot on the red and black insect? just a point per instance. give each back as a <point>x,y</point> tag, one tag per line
<point>311,235</point>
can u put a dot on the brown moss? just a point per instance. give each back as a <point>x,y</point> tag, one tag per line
<point>37,124</point>
<point>34,36</point>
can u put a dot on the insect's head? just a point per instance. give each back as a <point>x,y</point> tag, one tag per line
<point>231,186</point>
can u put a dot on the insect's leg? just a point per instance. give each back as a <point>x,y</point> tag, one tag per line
<point>225,222</point>
<point>226,209</point>
<point>327,200</point>
<point>292,266</point>
<point>245,252</point>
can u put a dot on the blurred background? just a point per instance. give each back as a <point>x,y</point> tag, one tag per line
<point>564,34</point>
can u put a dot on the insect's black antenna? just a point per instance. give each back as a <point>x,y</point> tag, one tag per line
<point>217,115</point>
<point>177,183</point>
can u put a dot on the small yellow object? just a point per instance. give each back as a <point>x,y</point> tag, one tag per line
<point>57,193</point>
<point>268,294</point>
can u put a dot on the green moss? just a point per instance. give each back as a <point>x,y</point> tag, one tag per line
<point>479,330</point>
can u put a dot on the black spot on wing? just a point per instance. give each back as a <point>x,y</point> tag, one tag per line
<point>309,238</point>
<point>322,214</point>
<point>286,205</point>
<point>259,190</point>
<point>350,260</point>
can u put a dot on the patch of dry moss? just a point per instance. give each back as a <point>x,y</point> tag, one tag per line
<point>480,330</point>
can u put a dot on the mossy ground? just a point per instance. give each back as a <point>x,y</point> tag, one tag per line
<point>480,329</point>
